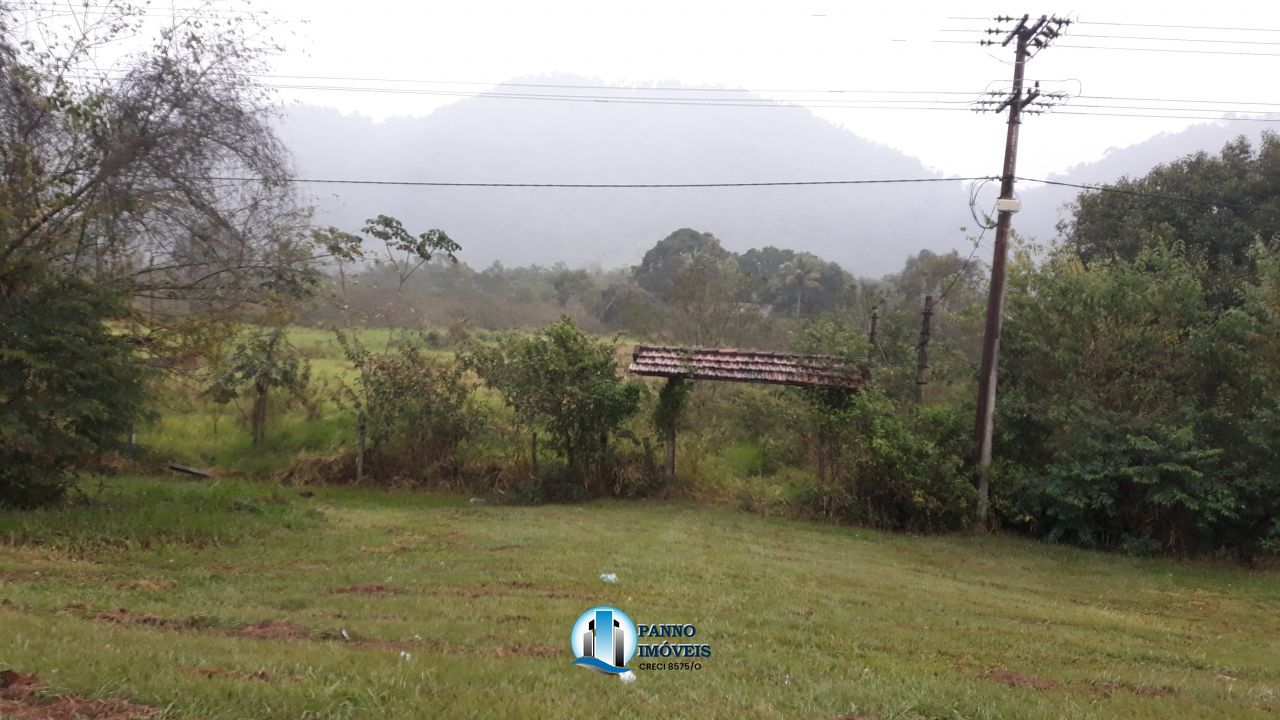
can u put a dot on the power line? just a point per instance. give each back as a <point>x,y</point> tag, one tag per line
<point>1154,196</point>
<point>417,183</point>
<point>1144,25</point>
<point>880,104</point>
<point>1175,39</point>
<point>1178,27</point>
<point>1169,117</point>
<point>1165,50</point>
<point>749,102</point>
<point>1143,37</point>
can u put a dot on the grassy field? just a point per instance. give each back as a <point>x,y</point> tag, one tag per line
<point>230,600</point>
<point>193,430</point>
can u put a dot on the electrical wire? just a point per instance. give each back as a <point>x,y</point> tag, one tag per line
<point>416,183</point>
<point>1154,196</point>
<point>1143,25</point>
<point>1164,50</point>
<point>876,103</point>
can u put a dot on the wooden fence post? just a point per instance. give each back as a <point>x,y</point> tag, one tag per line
<point>533,452</point>
<point>360,453</point>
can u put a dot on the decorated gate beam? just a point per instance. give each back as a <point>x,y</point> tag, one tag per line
<point>679,364</point>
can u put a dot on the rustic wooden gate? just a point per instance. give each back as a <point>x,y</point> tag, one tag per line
<point>679,364</point>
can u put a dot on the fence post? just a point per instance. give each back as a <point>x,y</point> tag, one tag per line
<point>360,453</point>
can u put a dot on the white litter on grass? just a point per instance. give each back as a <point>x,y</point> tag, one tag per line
<point>346,635</point>
<point>627,677</point>
<point>609,577</point>
<point>476,501</point>
<point>405,656</point>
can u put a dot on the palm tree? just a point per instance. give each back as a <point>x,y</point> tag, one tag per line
<point>802,271</point>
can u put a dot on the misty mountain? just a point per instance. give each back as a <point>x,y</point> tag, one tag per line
<point>1043,206</point>
<point>869,229</point>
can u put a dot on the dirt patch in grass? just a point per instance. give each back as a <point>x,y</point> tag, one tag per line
<point>23,697</point>
<point>515,618</point>
<point>476,592</point>
<point>367,589</point>
<point>121,616</point>
<point>1005,676</point>
<point>148,585</point>
<point>408,543</point>
<point>585,597</point>
<point>1107,689</point>
<point>523,584</point>
<point>20,576</point>
<point>500,548</point>
<point>213,672</point>
<point>274,630</point>
<point>527,649</point>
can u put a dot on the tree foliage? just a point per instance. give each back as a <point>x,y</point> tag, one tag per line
<point>1217,206</point>
<point>113,178</point>
<point>112,211</point>
<point>1135,413</point>
<point>261,362</point>
<point>566,382</point>
<point>417,413</point>
<point>70,389</point>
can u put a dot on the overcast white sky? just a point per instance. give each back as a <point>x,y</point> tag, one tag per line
<point>807,44</point>
<point>802,45</point>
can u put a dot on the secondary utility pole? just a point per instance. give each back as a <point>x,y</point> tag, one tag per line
<point>922,350</point>
<point>1030,38</point>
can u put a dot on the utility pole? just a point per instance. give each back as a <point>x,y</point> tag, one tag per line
<point>1030,38</point>
<point>875,317</point>
<point>922,350</point>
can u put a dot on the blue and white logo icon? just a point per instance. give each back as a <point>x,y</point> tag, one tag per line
<point>604,639</point>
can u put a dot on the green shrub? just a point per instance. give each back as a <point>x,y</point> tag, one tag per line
<point>1137,416</point>
<point>417,413</point>
<point>890,466</point>
<point>566,383</point>
<point>72,389</point>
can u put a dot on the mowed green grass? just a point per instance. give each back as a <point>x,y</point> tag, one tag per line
<point>805,620</point>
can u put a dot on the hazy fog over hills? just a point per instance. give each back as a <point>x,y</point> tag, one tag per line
<point>870,229</point>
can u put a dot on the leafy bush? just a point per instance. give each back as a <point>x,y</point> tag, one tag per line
<point>72,389</point>
<point>262,361</point>
<point>890,467</point>
<point>567,383</point>
<point>1135,414</point>
<point>417,413</point>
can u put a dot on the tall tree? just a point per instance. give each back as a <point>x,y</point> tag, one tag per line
<point>1217,206</point>
<point>159,179</point>
<point>149,195</point>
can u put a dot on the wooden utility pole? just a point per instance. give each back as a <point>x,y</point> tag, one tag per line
<point>875,317</point>
<point>922,350</point>
<point>1030,39</point>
